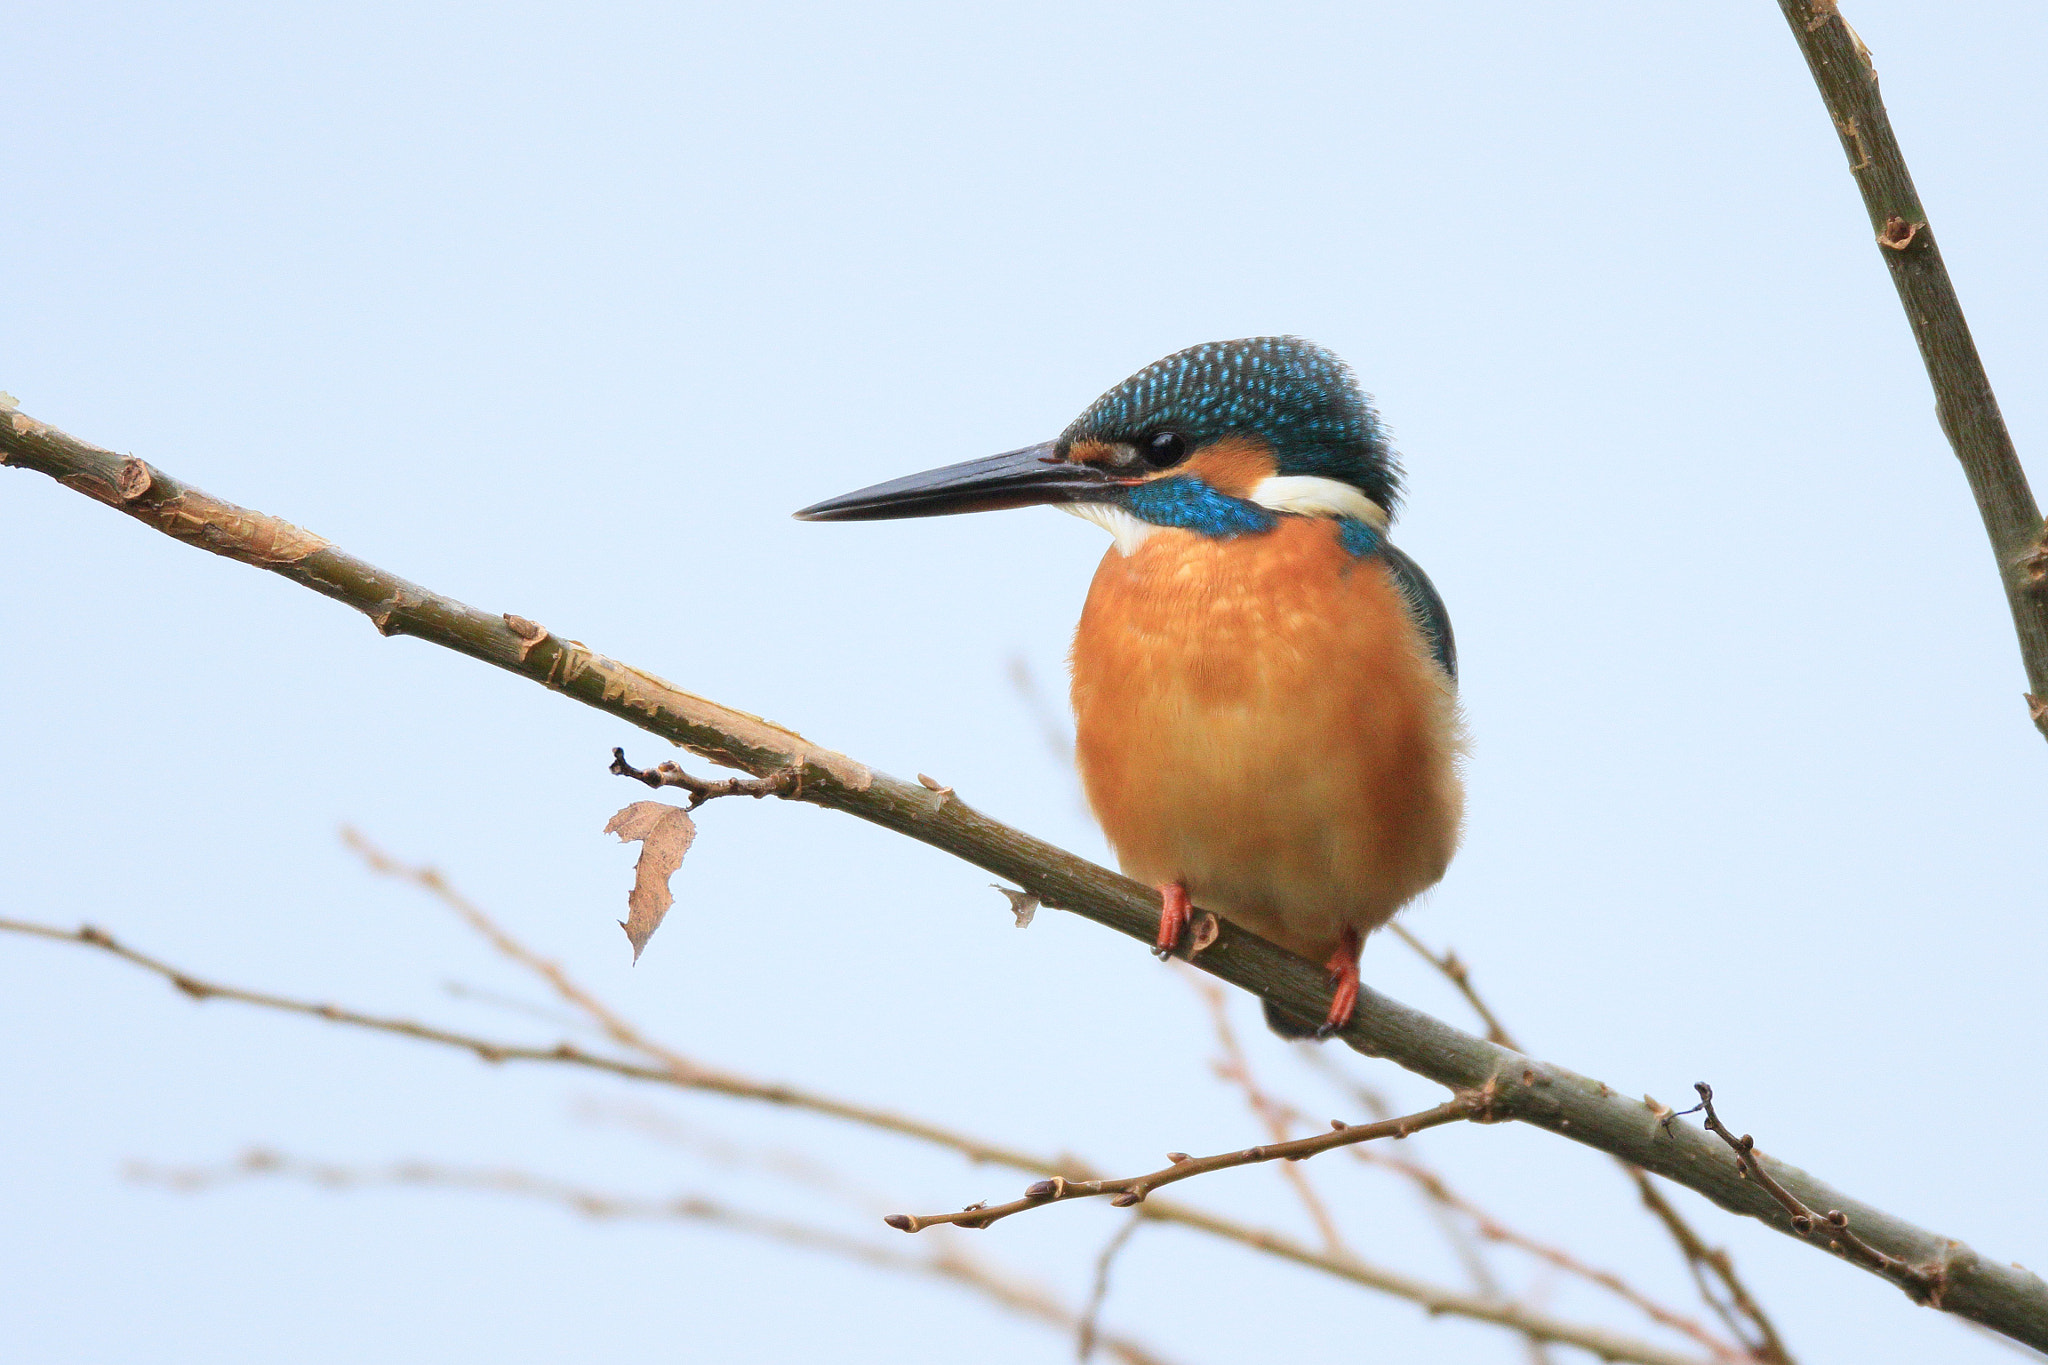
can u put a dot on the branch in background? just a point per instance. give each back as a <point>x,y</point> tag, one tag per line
<point>1462,1243</point>
<point>1280,1120</point>
<point>1085,1339</point>
<point>1055,731</point>
<point>798,1168</point>
<point>1962,391</point>
<point>1740,1313</point>
<point>1132,1189</point>
<point>1461,977</point>
<point>1446,1200</point>
<point>947,1263</point>
<point>1434,1299</point>
<point>1542,1094</point>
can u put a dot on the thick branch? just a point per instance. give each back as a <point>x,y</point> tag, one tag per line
<point>1962,392</point>
<point>1999,1295</point>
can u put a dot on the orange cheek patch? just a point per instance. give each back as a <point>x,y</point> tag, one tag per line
<point>1092,452</point>
<point>1234,465</point>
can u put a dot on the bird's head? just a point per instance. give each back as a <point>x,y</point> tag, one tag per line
<point>1218,438</point>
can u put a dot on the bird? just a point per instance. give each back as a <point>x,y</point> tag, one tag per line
<point>1264,687</point>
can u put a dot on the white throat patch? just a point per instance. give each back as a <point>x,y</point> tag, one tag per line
<point>1313,496</point>
<point>1129,532</point>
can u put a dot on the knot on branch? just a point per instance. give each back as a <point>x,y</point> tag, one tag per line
<point>2033,564</point>
<point>1898,234</point>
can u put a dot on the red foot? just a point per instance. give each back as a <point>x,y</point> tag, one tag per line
<point>1175,910</point>
<point>1343,968</point>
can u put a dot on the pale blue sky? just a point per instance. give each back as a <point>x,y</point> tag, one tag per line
<point>563,309</point>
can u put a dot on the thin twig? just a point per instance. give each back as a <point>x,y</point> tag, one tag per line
<point>1963,399</point>
<point>1830,1229</point>
<point>1278,1119</point>
<point>1434,1299</point>
<point>1054,729</point>
<point>689,1076</point>
<point>1132,1189</point>
<point>1459,976</point>
<point>561,1019</point>
<point>1276,1116</point>
<point>609,1021</point>
<point>1523,1089</point>
<point>1740,1313</point>
<point>1493,1230</point>
<point>1003,1288</point>
<point>1454,1230</point>
<point>798,1168</point>
<point>1442,1196</point>
<point>787,782</point>
<point>1085,1338</point>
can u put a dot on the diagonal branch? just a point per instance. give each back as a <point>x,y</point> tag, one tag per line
<point>1432,1298</point>
<point>1962,391</point>
<point>1542,1094</point>
<point>1739,1307</point>
<point>1133,1189</point>
<point>1001,1287</point>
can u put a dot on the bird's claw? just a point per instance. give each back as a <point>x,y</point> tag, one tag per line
<point>1175,910</point>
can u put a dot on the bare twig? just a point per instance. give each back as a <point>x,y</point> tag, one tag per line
<point>1375,1103</point>
<point>1432,1298</point>
<point>1458,975</point>
<point>1831,1229</point>
<point>1085,1338</point>
<point>1132,1189</point>
<point>1002,1287</point>
<point>1279,1119</point>
<point>1493,1230</point>
<point>613,1025</point>
<point>1443,1197</point>
<point>787,782</point>
<point>1740,1313</point>
<point>798,1168</point>
<point>1525,1090</point>
<point>1054,729</point>
<point>1531,1322</point>
<point>688,1076</point>
<point>457,990</point>
<point>1963,399</point>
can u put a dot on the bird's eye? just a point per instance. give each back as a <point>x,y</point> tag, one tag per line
<point>1164,449</point>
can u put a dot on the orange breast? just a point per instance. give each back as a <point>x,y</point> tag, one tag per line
<point>1260,718</point>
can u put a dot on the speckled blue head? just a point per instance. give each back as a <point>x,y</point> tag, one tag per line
<point>1296,397</point>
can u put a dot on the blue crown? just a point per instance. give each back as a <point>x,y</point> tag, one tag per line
<point>1298,398</point>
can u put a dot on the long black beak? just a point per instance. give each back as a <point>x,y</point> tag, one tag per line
<point>1016,478</point>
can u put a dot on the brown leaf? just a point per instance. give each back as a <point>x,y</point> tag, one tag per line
<point>1022,904</point>
<point>665,833</point>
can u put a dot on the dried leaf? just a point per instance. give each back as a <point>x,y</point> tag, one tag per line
<point>665,833</point>
<point>1022,904</point>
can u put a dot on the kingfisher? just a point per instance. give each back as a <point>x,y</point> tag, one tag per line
<point>1264,687</point>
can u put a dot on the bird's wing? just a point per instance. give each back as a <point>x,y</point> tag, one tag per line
<point>1426,607</point>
